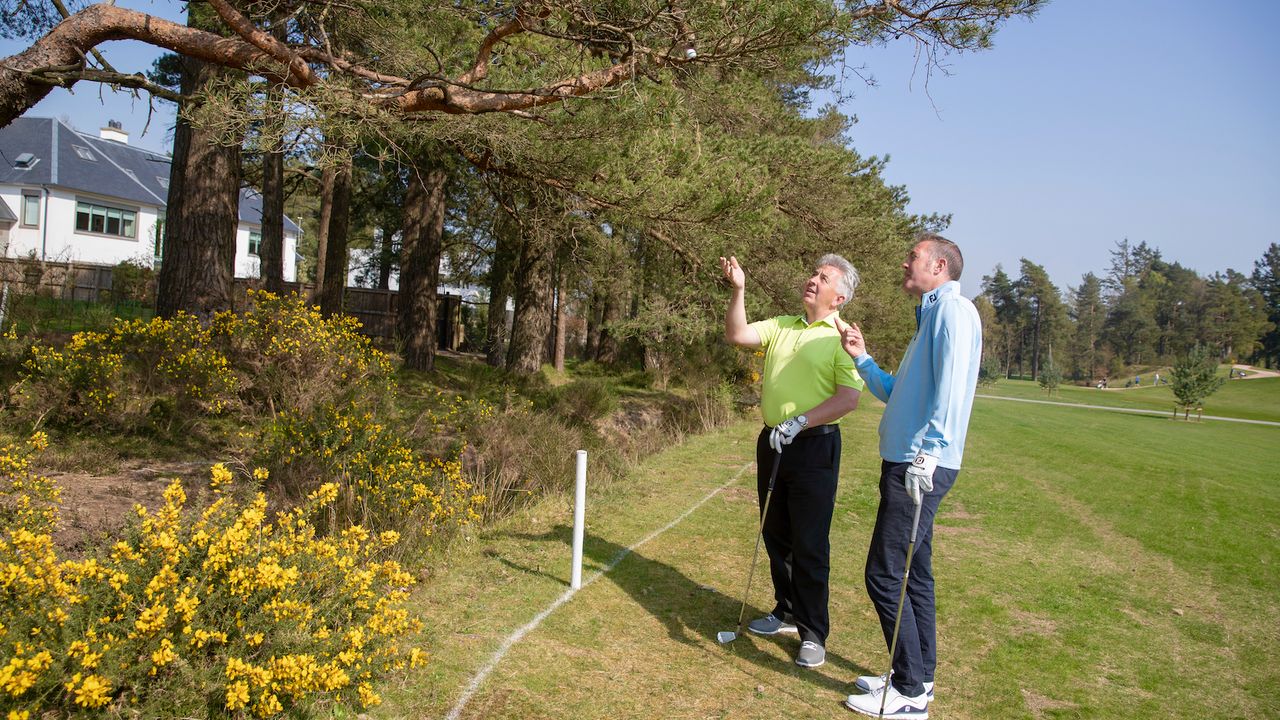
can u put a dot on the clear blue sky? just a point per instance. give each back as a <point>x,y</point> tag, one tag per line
<point>1152,120</point>
<point>1099,120</point>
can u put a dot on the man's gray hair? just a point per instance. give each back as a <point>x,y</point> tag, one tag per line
<point>848,275</point>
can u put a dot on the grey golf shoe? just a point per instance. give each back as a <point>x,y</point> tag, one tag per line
<point>770,625</point>
<point>811,654</point>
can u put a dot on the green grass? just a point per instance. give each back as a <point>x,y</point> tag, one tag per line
<point>1089,565</point>
<point>1254,399</point>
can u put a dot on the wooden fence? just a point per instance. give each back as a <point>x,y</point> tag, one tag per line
<point>375,309</point>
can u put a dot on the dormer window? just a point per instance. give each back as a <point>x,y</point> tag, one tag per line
<point>84,153</point>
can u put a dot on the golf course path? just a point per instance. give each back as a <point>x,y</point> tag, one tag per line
<point>516,636</point>
<point>1132,411</point>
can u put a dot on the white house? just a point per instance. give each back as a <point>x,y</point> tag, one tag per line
<point>69,196</point>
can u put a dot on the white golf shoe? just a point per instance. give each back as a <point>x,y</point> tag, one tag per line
<point>896,705</point>
<point>871,683</point>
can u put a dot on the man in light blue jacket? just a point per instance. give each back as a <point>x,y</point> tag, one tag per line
<point>922,436</point>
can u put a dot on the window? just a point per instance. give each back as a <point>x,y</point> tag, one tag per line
<point>84,152</point>
<point>94,218</point>
<point>255,243</point>
<point>30,209</point>
<point>164,182</point>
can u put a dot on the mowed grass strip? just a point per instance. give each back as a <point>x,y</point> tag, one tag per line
<point>1249,399</point>
<point>1089,565</point>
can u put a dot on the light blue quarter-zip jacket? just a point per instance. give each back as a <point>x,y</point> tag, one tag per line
<point>929,400</point>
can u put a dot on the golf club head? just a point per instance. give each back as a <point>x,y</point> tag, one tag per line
<point>726,636</point>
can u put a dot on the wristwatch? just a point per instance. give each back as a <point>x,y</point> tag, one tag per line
<point>804,421</point>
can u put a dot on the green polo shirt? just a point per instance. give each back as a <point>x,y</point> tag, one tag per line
<point>803,364</point>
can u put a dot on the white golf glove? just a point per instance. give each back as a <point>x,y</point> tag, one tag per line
<point>786,431</point>
<point>919,479</point>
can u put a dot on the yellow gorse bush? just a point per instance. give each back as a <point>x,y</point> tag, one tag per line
<point>27,501</point>
<point>382,482</point>
<point>233,611</point>
<point>280,354</point>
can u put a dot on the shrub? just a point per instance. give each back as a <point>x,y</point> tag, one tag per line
<point>519,454</point>
<point>989,372</point>
<point>216,613</point>
<point>582,402</point>
<point>382,482</point>
<point>278,356</point>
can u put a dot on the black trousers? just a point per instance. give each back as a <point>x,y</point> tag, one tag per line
<point>916,656</point>
<point>797,528</point>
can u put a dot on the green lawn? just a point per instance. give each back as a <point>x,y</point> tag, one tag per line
<point>1089,564</point>
<point>1254,399</point>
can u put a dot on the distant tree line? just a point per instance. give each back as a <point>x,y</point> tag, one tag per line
<point>1144,311</point>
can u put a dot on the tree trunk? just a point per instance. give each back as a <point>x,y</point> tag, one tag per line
<point>271,248</point>
<point>608,351</point>
<point>386,257</point>
<point>420,245</point>
<point>561,321</point>
<point>327,179</point>
<point>271,251</point>
<point>593,317</point>
<point>504,253</point>
<point>533,286</point>
<point>335,256</point>
<point>1035,345</point>
<point>202,214</point>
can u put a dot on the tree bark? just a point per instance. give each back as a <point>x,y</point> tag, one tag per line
<point>197,269</point>
<point>271,251</point>
<point>532,321</point>
<point>327,179</point>
<point>608,350</point>
<point>386,256</point>
<point>335,256</point>
<point>561,321</point>
<point>504,253</point>
<point>421,241</point>
<point>593,316</point>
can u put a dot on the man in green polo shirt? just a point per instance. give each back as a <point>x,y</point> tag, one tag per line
<point>809,384</point>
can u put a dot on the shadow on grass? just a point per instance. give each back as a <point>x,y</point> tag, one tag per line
<point>692,613</point>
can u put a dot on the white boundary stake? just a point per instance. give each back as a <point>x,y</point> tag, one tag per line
<point>579,513</point>
<point>519,634</point>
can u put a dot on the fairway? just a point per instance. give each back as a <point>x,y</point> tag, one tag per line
<point>1089,565</point>
<point>1253,399</point>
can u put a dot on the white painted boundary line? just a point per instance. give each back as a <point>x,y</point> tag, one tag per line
<point>518,635</point>
<point>1133,411</point>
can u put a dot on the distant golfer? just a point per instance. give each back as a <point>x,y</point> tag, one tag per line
<point>809,384</point>
<point>922,437</point>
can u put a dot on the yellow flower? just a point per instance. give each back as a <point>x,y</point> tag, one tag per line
<point>237,695</point>
<point>93,691</point>
<point>219,476</point>
<point>367,696</point>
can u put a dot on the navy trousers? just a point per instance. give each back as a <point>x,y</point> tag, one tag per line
<point>798,527</point>
<point>916,656</point>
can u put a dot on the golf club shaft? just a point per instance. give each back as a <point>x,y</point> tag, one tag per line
<point>902,597</point>
<point>768,495</point>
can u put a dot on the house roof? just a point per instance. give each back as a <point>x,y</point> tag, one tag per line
<point>6,214</point>
<point>65,157</point>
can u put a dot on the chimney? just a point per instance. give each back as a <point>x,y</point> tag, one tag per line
<point>114,131</point>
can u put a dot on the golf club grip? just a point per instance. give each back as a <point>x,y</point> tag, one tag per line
<point>915,522</point>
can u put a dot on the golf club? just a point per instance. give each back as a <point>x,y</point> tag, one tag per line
<point>725,636</point>
<point>902,596</point>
